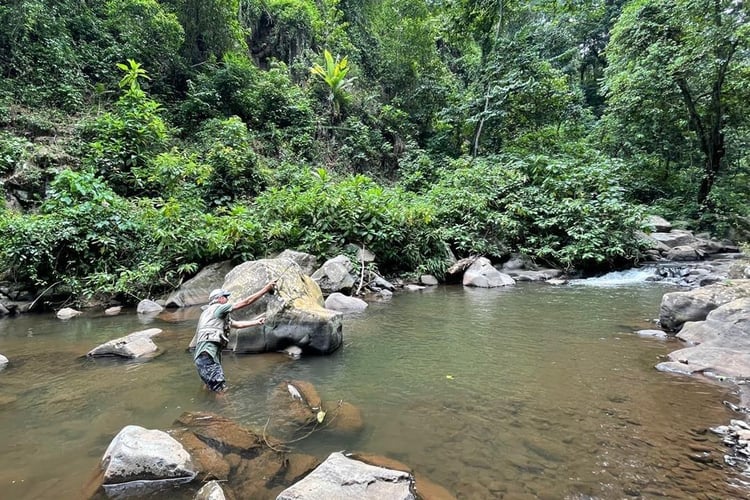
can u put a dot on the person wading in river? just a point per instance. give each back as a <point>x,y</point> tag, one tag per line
<point>212,333</point>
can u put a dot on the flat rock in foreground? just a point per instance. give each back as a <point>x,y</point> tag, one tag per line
<point>340,477</point>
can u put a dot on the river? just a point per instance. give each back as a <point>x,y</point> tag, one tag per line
<point>531,391</point>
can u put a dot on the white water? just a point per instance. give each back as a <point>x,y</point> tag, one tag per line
<point>616,278</point>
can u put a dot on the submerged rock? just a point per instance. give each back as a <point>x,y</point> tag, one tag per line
<point>656,334</point>
<point>295,404</point>
<point>292,351</point>
<point>251,463</point>
<point>296,407</point>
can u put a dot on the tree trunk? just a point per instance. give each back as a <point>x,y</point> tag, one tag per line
<point>713,163</point>
<point>709,126</point>
<point>709,131</point>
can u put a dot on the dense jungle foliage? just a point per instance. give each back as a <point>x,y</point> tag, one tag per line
<point>143,139</point>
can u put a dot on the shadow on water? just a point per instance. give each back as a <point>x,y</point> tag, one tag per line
<point>531,391</point>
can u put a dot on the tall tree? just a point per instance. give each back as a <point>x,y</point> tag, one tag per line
<point>513,86</point>
<point>679,67</point>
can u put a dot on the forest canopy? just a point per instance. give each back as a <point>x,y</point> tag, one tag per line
<point>142,139</point>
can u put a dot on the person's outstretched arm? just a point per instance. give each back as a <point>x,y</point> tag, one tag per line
<point>252,298</point>
<point>248,323</point>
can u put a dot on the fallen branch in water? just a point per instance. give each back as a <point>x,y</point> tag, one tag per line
<point>265,440</point>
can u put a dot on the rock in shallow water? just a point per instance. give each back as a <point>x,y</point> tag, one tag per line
<point>343,477</point>
<point>140,461</point>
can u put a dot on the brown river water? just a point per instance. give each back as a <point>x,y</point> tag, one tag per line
<point>525,392</point>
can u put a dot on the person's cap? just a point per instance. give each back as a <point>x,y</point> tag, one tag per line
<point>219,292</point>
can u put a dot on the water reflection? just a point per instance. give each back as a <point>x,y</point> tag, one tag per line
<point>524,392</point>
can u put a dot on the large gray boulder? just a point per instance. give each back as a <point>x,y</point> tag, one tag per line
<point>135,345</point>
<point>139,462</point>
<point>675,238</point>
<point>344,303</point>
<point>658,224</point>
<point>295,313</point>
<point>684,253</point>
<point>341,477</point>
<point>335,275</point>
<point>307,262</point>
<point>694,305</point>
<point>720,344</point>
<point>482,274</point>
<point>195,290</point>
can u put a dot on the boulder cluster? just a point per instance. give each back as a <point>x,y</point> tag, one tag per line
<point>688,259</point>
<point>714,324</point>
<point>215,458</point>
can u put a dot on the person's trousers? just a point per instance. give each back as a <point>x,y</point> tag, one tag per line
<point>211,372</point>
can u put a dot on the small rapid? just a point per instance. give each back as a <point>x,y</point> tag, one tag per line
<point>618,278</point>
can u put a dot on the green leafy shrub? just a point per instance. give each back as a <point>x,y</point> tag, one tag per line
<point>173,174</point>
<point>225,147</point>
<point>470,198</point>
<point>576,213</point>
<point>145,31</point>
<point>362,148</point>
<point>237,87</point>
<point>565,211</point>
<point>126,138</point>
<point>275,99</point>
<point>92,241</point>
<point>82,228</point>
<point>36,51</point>
<point>322,216</point>
<point>417,170</point>
<point>13,150</point>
